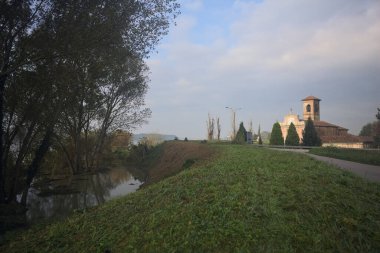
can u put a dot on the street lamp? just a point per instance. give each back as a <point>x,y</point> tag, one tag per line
<point>233,110</point>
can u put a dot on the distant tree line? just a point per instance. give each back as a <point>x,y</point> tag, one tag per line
<point>71,73</point>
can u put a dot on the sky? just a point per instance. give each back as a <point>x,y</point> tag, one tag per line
<point>264,57</point>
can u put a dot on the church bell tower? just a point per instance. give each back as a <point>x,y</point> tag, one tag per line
<point>311,108</point>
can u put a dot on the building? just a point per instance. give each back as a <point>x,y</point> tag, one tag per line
<point>330,134</point>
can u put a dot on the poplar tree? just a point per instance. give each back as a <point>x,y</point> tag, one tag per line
<point>210,127</point>
<point>292,138</point>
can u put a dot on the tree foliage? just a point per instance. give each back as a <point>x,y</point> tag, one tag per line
<point>71,73</point>
<point>292,138</point>
<point>210,123</point>
<point>368,129</point>
<point>241,135</point>
<point>309,135</point>
<point>376,138</point>
<point>259,139</point>
<point>276,137</point>
<point>218,128</point>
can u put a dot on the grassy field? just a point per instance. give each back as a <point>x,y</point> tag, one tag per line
<point>243,200</point>
<point>360,156</point>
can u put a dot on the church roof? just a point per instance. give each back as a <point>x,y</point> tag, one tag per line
<point>347,138</point>
<point>311,98</point>
<point>320,123</point>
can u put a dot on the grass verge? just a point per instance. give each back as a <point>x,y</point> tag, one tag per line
<point>355,155</point>
<point>244,200</point>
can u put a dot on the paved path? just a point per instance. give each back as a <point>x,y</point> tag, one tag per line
<point>370,172</point>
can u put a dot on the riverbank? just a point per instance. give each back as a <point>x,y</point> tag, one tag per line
<point>243,199</point>
<point>172,157</point>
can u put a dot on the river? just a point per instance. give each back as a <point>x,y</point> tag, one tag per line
<point>54,199</point>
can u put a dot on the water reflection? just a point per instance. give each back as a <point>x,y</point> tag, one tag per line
<point>57,199</point>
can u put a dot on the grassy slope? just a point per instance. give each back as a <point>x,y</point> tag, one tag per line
<point>248,199</point>
<point>170,158</point>
<point>360,156</point>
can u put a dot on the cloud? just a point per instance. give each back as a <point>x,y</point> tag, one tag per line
<point>272,55</point>
<point>193,5</point>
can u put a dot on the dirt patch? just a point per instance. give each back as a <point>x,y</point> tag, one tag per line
<point>176,156</point>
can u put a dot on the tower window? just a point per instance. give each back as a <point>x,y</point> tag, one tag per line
<point>308,108</point>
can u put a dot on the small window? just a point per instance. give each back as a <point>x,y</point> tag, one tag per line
<point>308,108</point>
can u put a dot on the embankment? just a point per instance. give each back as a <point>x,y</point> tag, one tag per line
<point>172,157</point>
<point>244,200</point>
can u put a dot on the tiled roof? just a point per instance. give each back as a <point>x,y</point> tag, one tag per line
<point>320,123</point>
<point>311,98</point>
<point>348,138</point>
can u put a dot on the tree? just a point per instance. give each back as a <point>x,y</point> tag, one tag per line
<point>260,140</point>
<point>17,21</point>
<point>309,135</point>
<point>79,67</point>
<point>210,127</point>
<point>276,137</point>
<point>233,122</point>
<point>292,138</point>
<point>241,135</point>
<point>367,130</point>
<point>218,127</point>
<point>377,130</point>
<point>250,129</point>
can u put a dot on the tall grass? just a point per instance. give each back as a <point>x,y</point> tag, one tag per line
<point>245,200</point>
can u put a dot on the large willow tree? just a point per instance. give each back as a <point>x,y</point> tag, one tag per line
<point>70,70</point>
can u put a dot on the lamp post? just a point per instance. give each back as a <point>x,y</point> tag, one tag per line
<point>233,111</point>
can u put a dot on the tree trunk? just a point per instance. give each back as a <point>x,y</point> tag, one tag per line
<point>39,155</point>
<point>2,165</point>
<point>16,169</point>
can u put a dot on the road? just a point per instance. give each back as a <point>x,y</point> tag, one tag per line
<point>370,172</point>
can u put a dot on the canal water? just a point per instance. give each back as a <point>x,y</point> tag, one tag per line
<point>54,199</point>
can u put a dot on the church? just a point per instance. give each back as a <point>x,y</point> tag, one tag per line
<point>330,134</point>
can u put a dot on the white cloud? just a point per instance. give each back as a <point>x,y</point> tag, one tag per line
<point>193,5</point>
<point>275,54</point>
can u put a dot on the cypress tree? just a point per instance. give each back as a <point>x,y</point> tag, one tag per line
<point>276,137</point>
<point>310,136</point>
<point>241,135</point>
<point>292,138</point>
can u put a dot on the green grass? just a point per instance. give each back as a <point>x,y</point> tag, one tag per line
<point>246,200</point>
<point>354,155</point>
